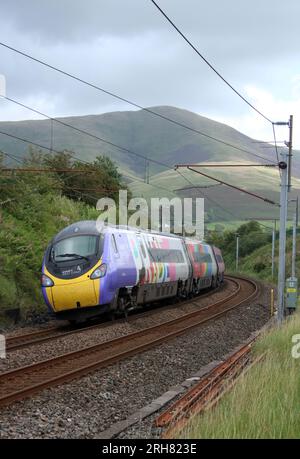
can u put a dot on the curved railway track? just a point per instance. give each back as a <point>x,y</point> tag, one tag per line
<point>14,343</point>
<point>25,381</point>
<point>27,339</point>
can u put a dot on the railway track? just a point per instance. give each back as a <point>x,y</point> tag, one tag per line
<point>28,380</point>
<point>27,339</point>
<point>14,343</point>
<point>206,393</point>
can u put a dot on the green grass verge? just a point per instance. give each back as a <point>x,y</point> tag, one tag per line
<point>265,403</point>
<point>26,229</point>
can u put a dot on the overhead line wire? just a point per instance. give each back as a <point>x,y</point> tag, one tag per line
<point>208,63</point>
<point>127,150</point>
<point>269,201</point>
<point>127,101</point>
<point>78,159</point>
<point>85,132</point>
<point>209,198</point>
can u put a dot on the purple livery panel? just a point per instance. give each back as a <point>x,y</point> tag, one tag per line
<point>129,261</point>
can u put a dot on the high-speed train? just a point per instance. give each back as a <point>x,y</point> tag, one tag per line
<point>87,272</point>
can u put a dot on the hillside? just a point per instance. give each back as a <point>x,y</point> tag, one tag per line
<point>159,139</point>
<point>258,263</point>
<point>138,131</point>
<point>222,202</point>
<point>255,250</point>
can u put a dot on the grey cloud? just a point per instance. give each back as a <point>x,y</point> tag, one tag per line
<point>262,23</point>
<point>127,47</point>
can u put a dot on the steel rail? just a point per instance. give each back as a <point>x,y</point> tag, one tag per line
<point>28,380</point>
<point>41,336</point>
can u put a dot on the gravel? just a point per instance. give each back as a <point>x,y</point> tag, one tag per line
<point>78,341</point>
<point>86,407</point>
<point>33,321</point>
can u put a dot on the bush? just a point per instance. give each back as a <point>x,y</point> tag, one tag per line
<point>33,208</point>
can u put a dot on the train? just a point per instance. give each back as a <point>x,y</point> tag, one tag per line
<point>87,271</point>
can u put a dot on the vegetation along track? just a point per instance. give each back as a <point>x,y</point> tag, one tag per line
<point>25,381</point>
<point>51,333</point>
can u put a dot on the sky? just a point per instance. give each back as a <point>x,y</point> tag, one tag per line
<point>127,47</point>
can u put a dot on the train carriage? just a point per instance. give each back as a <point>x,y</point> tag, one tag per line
<point>220,263</point>
<point>205,269</point>
<point>87,272</point>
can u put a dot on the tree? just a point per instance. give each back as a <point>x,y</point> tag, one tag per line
<point>90,181</point>
<point>108,167</point>
<point>251,238</point>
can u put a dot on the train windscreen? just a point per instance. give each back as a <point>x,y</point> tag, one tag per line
<point>73,248</point>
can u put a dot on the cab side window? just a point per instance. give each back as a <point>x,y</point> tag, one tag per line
<point>114,244</point>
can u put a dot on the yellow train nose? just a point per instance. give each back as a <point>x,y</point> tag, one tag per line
<point>74,295</point>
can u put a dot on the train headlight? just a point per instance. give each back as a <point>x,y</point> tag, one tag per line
<point>46,281</point>
<point>99,272</point>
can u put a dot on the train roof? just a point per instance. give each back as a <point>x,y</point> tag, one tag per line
<point>77,228</point>
<point>93,227</point>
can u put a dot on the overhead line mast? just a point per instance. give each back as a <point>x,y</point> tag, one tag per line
<point>284,173</point>
<point>289,144</point>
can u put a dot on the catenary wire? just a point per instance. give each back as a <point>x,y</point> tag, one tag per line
<point>148,110</point>
<point>207,62</point>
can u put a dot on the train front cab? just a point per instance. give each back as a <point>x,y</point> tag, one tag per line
<point>71,275</point>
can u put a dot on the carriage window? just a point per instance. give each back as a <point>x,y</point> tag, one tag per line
<point>202,257</point>
<point>141,246</point>
<point>166,256</point>
<point>114,244</point>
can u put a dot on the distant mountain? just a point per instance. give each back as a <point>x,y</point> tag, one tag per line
<point>140,132</point>
<point>155,138</point>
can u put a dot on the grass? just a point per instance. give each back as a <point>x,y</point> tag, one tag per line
<point>265,403</point>
<point>220,226</point>
<point>258,263</point>
<point>231,225</point>
<point>27,227</point>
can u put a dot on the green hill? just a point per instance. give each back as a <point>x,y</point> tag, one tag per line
<point>138,131</point>
<point>158,139</point>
